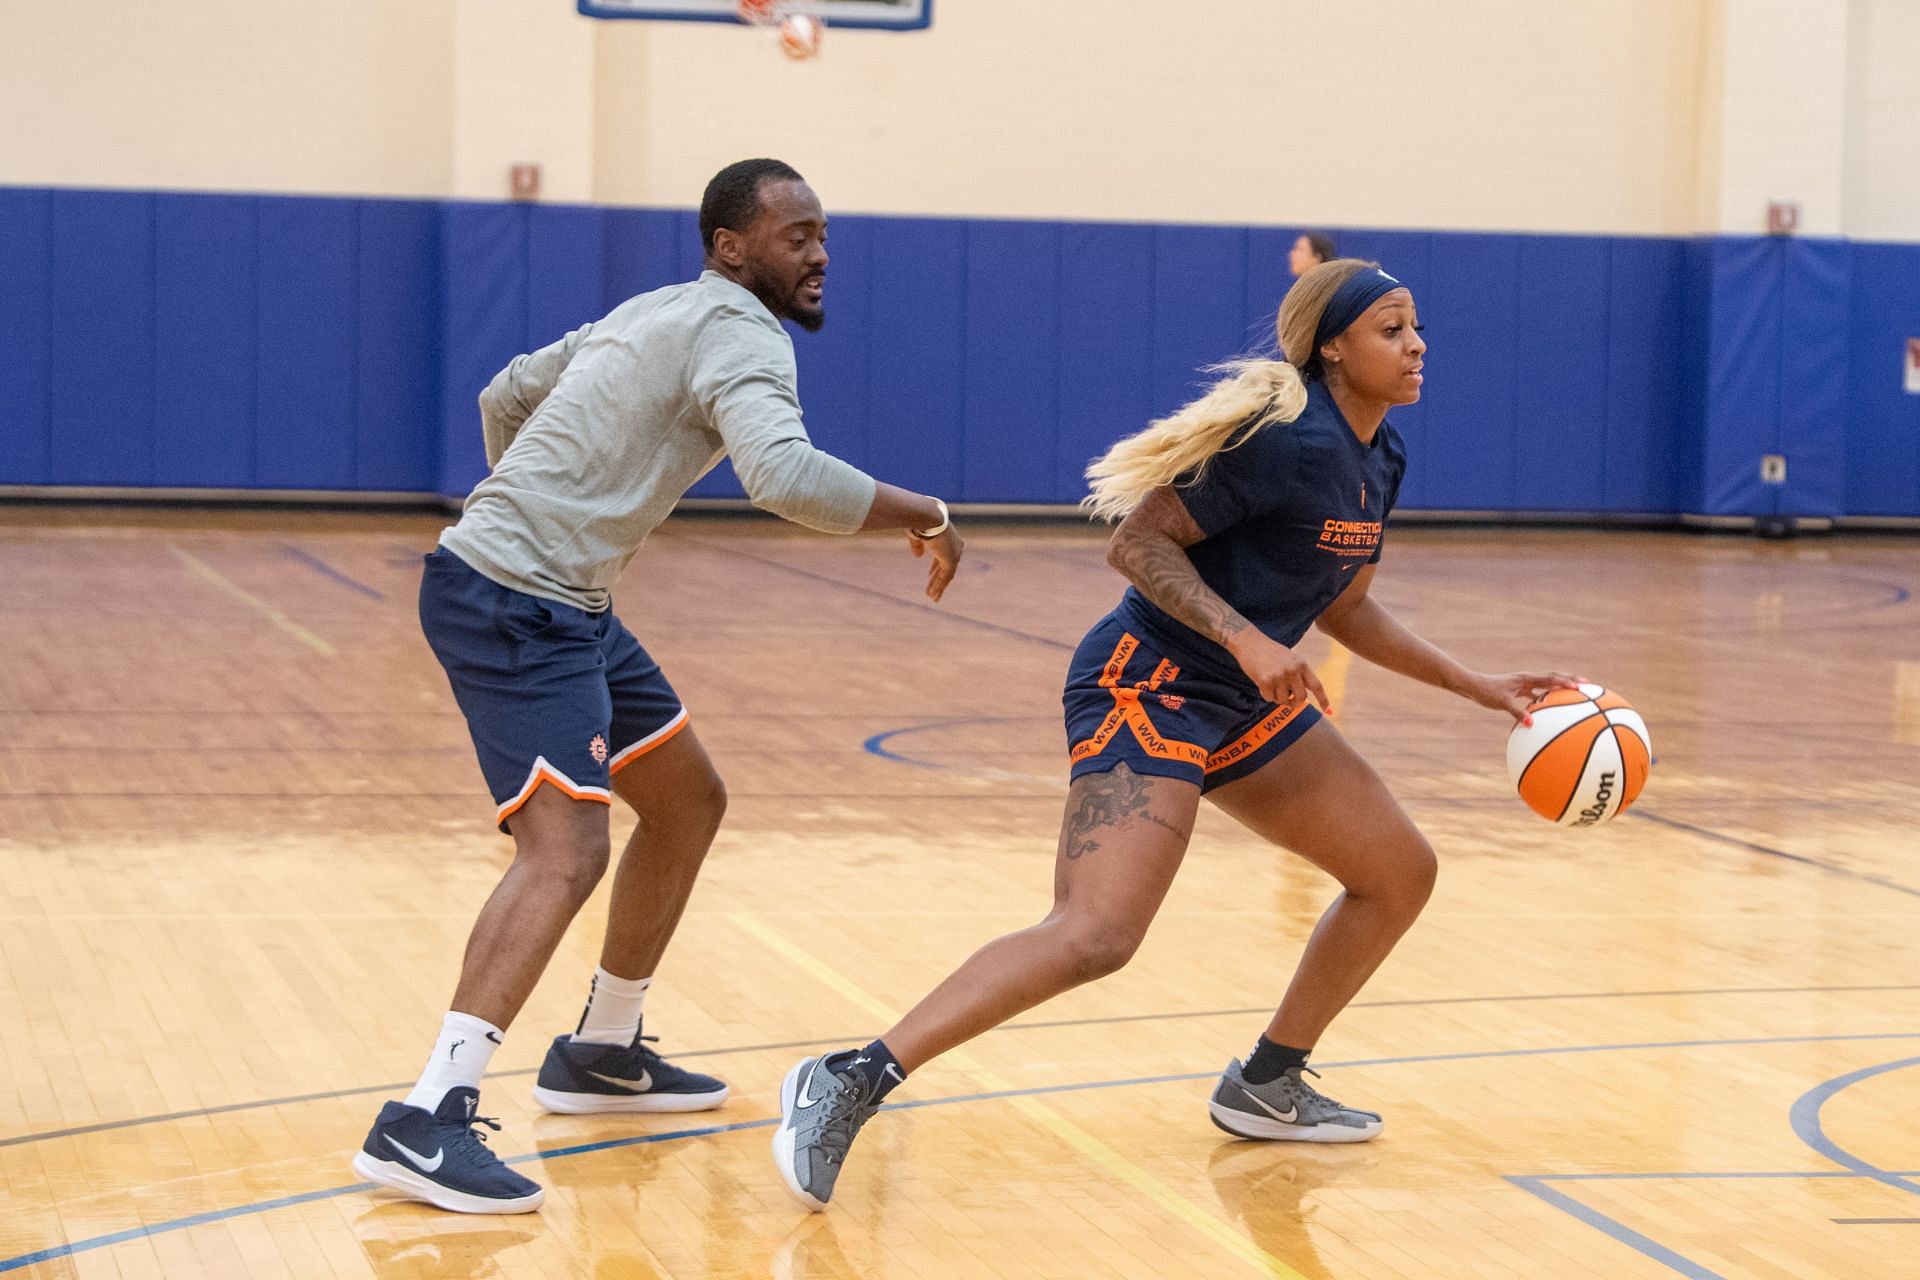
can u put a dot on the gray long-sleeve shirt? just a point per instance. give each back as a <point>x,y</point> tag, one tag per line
<point>594,439</point>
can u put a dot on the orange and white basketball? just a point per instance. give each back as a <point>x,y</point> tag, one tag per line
<point>1584,758</point>
<point>801,35</point>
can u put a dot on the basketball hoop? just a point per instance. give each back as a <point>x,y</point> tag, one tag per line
<point>794,23</point>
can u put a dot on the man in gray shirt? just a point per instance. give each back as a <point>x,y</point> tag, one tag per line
<point>591,442</point>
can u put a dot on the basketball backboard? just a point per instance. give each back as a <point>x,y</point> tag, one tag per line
<point>883,15</point>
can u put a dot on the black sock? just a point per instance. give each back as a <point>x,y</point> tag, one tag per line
<point>1269,1061</point>
<point>876,1065</point>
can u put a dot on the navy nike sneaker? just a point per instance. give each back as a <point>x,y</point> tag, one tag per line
<point>582,1078</point>
<point>442,1159</point>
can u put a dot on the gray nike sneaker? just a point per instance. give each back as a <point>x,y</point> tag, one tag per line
<point>820,1111</point>
<point>1289,1109</point>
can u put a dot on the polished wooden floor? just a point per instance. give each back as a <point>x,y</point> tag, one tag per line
<point>242,839</point>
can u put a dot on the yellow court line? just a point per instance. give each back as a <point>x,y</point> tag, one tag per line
<point>1333,675</point>
<point>201,569</point>
<point>1076,1137</point>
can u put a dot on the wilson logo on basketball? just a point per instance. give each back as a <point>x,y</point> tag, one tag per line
<point>1598,809</point>
<point>598,749</point>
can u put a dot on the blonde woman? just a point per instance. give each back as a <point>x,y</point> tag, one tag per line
<point>1248,516</point>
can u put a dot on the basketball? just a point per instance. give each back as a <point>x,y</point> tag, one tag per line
<point>1584,758</point>
<point>801,34</point>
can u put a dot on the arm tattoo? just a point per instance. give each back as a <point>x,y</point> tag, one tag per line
<point>1107,800</point>
<point>1160,567</point>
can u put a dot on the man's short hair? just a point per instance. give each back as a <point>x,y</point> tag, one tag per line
<point>732,198</point>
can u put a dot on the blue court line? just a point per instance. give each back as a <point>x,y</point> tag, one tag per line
<point>877,744</point>
<point>265,1206</point>
<point>47,1135</point>
<point>1832,868</point>
<point>1618,1230</point>
<point>322,567</point>
<point>1805,1118</point>
<point>1535,1184</point>
<point>177,1224</point>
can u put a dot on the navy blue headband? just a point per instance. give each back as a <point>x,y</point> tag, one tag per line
<point>1349,302</point>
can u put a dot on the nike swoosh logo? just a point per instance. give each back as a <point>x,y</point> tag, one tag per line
<point>644,1083</point>
<point>1290,1116</point>
<point>425,1165</point>
<point>805,1097</point>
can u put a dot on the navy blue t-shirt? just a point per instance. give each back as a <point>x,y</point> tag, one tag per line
<point>1289,515</point>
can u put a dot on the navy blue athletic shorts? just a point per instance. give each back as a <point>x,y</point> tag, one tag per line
<point>551,693</point>
<point>1131,700</point>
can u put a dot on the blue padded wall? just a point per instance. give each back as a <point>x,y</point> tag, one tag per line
<point>917,354</point>
<point>1814,305</point>
<point>302,343</point>
<point>1560,447</point>
<point>1106,345</point>
<point>1649,453</point>
<point>397,429</point>
<point>1743,376</point>
<point>483,291</point>
<point>26,334</point>
<point>1883,421</point>
<point>1266,284</point>
<point>1776,376</point>
<point>642,252</point>
<point>1695,340</point>
<point>100,337</point>
<point>206,349</point>
<point>566,270</point>
<point>214,341</point>
<point>308,317</point>
<point>1012,374</point>
<point>1471,396</point>
<point>1198,308</point>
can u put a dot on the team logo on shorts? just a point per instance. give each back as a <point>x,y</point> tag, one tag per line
<point>1172,701</point>
<point>598,749</point>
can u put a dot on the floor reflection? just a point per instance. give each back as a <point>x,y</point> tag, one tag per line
<point>1266,1186</point>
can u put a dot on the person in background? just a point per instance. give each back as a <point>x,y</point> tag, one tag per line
<point>1309,251</point>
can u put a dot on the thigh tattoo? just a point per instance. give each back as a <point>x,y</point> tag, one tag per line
<point>1109,799</point>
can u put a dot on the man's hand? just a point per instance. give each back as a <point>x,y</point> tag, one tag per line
<point>946,549</point>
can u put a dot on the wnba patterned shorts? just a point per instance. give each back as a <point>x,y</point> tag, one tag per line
<point>551,693</point>
<point>1127,701</point>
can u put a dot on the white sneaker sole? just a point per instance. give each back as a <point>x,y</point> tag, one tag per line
<point>409,1183</point>
<point>583,1104</point>
<point>783,1139</point>
<point>1242,1125</point>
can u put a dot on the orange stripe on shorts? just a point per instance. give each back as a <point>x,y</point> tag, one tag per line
<point>1255,738</point>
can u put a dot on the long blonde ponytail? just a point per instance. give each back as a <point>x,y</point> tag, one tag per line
<point>1255,393</point>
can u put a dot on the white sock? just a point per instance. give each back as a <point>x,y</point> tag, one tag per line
<point>460,1057</point>
<point>613,1009</point>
